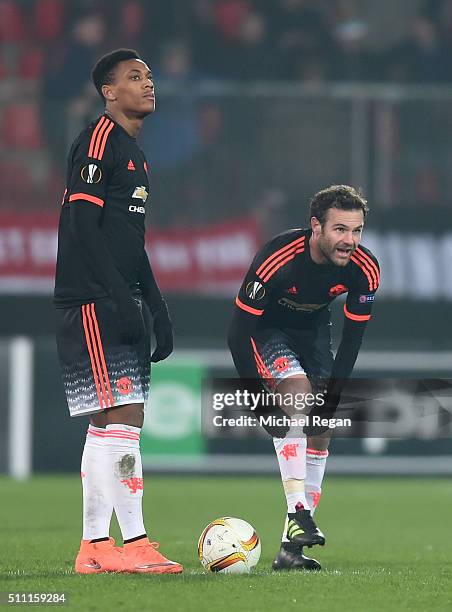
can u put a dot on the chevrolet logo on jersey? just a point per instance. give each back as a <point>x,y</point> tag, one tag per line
<point>91,173</point>
<point>300,307</point>
<point>140,193</point>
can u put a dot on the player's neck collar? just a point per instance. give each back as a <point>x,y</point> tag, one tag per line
<point>107,114</point>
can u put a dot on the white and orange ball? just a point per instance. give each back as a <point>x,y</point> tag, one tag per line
<point>229,546</point>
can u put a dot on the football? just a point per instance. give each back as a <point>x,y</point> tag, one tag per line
<point>230,546</point>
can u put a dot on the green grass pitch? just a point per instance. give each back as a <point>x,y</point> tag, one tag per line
<point>389,546</point>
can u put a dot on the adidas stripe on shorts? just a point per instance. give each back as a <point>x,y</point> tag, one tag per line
<point>98,370</point>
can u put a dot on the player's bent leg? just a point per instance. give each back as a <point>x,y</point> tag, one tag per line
<point>291,454</point>
<point>316,456</point>
<point>280,364</point>
<point>319,361</point>
<point>291,450</point>
<point>294,390</point>
<point>121,439</point>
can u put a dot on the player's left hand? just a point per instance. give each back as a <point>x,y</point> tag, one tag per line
<point>325,412</point>
<point>163,330</point>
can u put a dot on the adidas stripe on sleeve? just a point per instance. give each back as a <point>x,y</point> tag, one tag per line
<point>361,297</point>
<point>267,270</point>
<point>90,164</point>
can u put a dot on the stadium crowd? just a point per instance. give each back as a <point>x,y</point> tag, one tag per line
<point>49,46</point>
<point>301,40</point>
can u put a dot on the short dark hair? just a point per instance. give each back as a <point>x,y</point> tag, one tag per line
<point>104,70</point>
<point>342,197</point>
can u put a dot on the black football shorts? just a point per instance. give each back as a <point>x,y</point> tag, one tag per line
<point>98,370</point>
<point>281,353</point>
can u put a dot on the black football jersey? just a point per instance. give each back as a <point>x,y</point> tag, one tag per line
<point>106,168</point>
<point>287,289</point>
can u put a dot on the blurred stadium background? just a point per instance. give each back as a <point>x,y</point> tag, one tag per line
<point>260,104</point>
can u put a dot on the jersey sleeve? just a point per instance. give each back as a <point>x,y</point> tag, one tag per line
<point>361,295</point>
<point>91,165</point>
<point>357,311</point>
<point>267,270</point>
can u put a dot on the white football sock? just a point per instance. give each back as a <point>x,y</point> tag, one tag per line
<point>95,473</point>
<point>291,454</point>
<point>122,449</point>
<point>315,470</point>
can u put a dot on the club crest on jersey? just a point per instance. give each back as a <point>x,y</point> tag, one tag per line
<point>140,193</point>
<point>91,173</point>
<point>255,291</point>
<point>124,385</point>
<point>281,364</point>
<point>337,290</point>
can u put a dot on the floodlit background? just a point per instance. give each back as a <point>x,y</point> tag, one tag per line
<point>259,105</point>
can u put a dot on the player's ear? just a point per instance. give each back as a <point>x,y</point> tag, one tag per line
<point>315,225</point>
<point>108,93</point>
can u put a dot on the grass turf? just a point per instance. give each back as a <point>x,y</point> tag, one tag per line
<point>389,546</point>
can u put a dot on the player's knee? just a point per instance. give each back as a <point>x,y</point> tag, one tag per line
<point>294,393</point>
<point>294,385</point>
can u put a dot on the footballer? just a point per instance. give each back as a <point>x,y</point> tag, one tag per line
<point>280,334</point>
<point>107,304</point>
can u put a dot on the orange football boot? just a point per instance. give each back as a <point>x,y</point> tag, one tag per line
<point>99,557</point>
<point>142,557</point>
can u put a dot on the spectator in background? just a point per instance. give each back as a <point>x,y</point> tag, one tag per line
<point>271,211</point>
<point>313,69</point>
<point>352,59</point>
<point>445,29</point>
<point>172,141</point>
<point>67,95</point>
<point>301,39</point>
<point>131,22</point>
<point>249,56</point>
<point>233,42</point>
<point>422,58</point>
<point>173,136</point>
<point>163,20</point>
<point>205,42</point>
<point>439,12</point>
